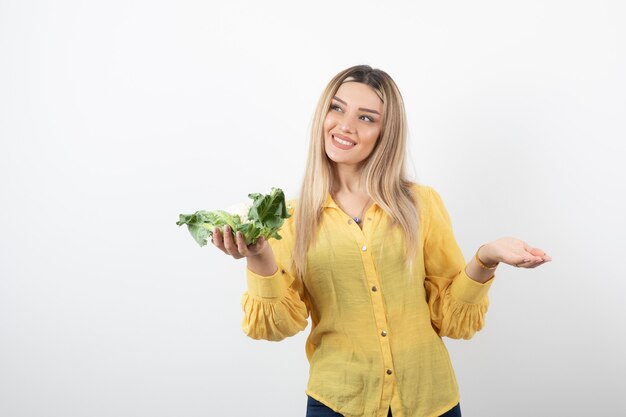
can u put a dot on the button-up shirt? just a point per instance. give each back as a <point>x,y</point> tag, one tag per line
<point>376,320</point>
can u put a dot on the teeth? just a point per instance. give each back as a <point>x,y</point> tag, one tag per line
<point>343,142</point>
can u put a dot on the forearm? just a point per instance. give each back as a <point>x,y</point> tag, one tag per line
<point>477,273</point>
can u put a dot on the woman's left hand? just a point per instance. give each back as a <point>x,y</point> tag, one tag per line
<point>514,252</point>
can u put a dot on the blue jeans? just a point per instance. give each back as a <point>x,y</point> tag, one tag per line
<point>315,408</point>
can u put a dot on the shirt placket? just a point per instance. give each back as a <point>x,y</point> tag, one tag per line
<point>378,306</point>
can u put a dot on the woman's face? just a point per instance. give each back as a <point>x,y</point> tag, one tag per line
<point>353,123</point>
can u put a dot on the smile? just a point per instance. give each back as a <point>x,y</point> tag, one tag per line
<point>342,143</point>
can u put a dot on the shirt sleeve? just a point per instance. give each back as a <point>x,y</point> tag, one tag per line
<point>274,306</point>
<point>457,303</point>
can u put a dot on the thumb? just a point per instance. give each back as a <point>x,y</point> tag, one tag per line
<point>260,243</point>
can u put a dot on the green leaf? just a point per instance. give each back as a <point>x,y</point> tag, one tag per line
<point>265,218</point>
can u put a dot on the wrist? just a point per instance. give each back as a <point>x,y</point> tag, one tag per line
<point>262,263</point>
<point>264,254</point>
<point>486,258</point>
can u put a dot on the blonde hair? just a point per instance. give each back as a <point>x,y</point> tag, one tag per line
<point>383,172</point>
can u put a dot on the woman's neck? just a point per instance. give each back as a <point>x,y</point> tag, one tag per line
<point>347,180</point>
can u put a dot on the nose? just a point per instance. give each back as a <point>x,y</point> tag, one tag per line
<point>345,125</point>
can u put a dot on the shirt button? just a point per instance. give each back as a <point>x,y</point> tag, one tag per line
<point>389,372</point>
<point>364,248</point>
<point>383,333</point>
<point>350,221</point>
<point>374,288</point>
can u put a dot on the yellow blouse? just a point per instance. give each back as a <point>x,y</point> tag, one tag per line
<point>377,322</point>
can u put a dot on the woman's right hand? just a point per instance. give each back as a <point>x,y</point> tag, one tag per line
<point>260,256</point>
<point>237,247</point>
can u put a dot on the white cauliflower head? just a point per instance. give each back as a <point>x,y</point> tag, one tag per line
<point>241,209</point>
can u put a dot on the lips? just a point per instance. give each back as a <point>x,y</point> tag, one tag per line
<point>343,142</point>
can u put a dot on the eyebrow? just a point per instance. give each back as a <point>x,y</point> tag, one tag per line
<point>360,108</point>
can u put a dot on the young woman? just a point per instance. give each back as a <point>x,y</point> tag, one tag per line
<point>372,259</point>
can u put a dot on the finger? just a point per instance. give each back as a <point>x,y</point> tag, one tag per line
<point>241,244</point>
<point>536,252</point>
<point>523,260</point>
<point>534,261</point>
<point>531,262</point>
<point>532,265</point>
<point>257,247</point>
<point>541,253</point>
<point>229,243</point>
<point>537,264</point>
<point>217,239</point>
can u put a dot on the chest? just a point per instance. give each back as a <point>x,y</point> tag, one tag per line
<point>343,255</point>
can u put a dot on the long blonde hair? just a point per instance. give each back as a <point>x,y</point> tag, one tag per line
<point>383,172</point>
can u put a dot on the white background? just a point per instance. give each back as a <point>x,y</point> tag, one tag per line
<point>117,116</point>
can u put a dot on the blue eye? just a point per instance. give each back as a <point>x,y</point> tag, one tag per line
<point>365,118</point>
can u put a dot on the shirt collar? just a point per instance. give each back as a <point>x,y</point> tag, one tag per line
<point>330,203</point>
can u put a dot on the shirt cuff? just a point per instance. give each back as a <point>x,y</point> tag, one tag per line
<point>467,290</point>
<point>272,287</point>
